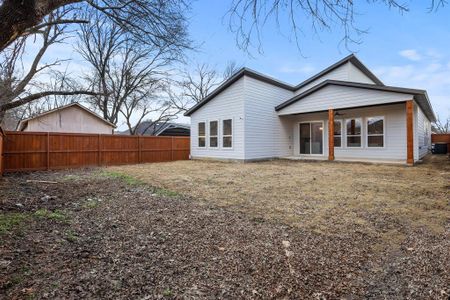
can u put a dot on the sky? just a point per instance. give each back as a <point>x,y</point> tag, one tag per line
<point>407,50</point>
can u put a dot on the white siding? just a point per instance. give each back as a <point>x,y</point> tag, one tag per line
<point>356,75</point>
<point>267,134</point>
<point>228,104</point>
<point>423,133</point>
<point>342,97</point>
<point>394,135</point>
<point>70,119</point>
<point>346,72</point>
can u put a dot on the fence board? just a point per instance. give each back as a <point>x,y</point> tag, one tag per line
<point>28,151</point>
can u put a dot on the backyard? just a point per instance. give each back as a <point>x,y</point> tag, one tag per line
<point>196,229</point>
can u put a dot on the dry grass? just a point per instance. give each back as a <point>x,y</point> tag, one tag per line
<point>381,200</point>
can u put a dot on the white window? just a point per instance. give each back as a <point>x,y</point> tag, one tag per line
<point>201,135</point>
<point>337,133</point>
<point>353,130</point>
<point>213,134</point>
<point>227,133</point>
<point>375,132</point>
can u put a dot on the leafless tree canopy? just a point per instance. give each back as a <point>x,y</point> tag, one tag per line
<point>131,75</point>
<point>18,83</point>
<point>158,22</point>
<point>441,126</point>
<point>247,18</point>
<point>200,82</point>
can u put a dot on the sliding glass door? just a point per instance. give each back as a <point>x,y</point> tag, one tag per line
<point>311,138</point>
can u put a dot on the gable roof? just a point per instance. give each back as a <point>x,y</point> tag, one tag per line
<point>23,123</point>
<point>420,96</point>
<point>244,71</point>
<point>350,58</point>
<point>267,79</point>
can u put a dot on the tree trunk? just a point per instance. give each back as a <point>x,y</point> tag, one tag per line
<point>18,16</point>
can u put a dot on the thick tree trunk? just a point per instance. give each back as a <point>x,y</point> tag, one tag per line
<point>17,16</point>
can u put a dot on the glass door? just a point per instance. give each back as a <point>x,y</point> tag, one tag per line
<point>305,138</point>
<point>311,138</point>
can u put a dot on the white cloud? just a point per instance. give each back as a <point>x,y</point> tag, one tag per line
<point>411,54</point>
<point>433,77</point>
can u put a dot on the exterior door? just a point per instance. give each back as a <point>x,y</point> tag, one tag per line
<point>311,138</point>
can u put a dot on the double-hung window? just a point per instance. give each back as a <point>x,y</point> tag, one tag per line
<point>202,135</point>
<point>375,132</point>
<point>227,133</point>
<point>353,130</point>
<point>337,133</point>
<point>213,134</point>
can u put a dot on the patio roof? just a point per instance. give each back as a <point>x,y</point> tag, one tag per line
<point>420,96</point>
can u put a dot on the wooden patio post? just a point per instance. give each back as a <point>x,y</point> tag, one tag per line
<point>330,134</point>
<point>409,133</point>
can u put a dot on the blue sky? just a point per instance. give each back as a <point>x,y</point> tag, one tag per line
<point>410,50</point>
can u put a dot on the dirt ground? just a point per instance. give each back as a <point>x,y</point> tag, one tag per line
<point>203,230</point>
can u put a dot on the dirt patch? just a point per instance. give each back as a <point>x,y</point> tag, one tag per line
<point>320,196</point>
<point>98,234</point>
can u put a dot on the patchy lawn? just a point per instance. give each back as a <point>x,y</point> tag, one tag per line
<point>330,198</point>
<point>204,230</point>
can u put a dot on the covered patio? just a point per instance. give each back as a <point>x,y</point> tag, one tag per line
<point>353,122</point>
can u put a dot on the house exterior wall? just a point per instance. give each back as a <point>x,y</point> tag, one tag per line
<point>71,119</point>
<point>229,104</point>
<point>422,133</point>
<point>394,135</point>
<point>267,134</point>
<point>336,97</point>
<point>346,72</point>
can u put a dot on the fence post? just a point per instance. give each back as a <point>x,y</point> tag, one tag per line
<point>139,149</point>
<point>98,151</point>
<point>48,150</point>
<point>171,149</point>
<point>1,151</point>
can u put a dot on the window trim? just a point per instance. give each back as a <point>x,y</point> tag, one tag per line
<point>351,135</point>
<point>384,133</point>
<point>210,136</point>
<point>199,136</point>
<point>223,135</point>
<point>342,135</point>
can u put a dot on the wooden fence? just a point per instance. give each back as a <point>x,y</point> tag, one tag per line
<point>441,139</point>
<point>31,151</point>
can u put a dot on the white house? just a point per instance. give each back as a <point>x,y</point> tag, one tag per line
<point>342,113</point>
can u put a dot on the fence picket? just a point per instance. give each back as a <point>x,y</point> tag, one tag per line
<point>28,151</point>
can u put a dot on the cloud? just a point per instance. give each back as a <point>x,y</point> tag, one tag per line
<point>411,54</point>
<point>432,76</point>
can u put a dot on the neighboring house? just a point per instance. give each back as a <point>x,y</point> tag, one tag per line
<point>161,129</point>
<point>73,118</point>
<point>342,113</point>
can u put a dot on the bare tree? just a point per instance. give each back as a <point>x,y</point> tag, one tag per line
<point>20,85</point>
<point>153,21</point>
<point>131,75</point>
<point>247,18</point>
<point>231,69</point>
<point>200,82</point>
<point>441,126</point>
<point>197,84</point>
